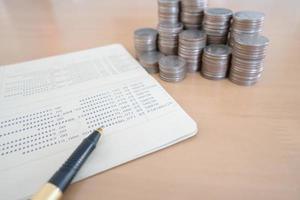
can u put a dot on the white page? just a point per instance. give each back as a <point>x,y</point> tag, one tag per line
<point>48,106</point>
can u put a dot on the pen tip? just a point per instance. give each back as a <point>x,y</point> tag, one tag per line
<point>100,130</point>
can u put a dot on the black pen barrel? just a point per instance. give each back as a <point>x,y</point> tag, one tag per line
<point>68,170</point>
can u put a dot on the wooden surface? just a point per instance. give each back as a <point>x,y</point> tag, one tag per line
<point>248,145</point>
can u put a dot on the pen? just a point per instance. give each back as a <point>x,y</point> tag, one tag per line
<point>59,182</point>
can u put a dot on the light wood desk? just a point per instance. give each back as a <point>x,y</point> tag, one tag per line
<point>248,146</point>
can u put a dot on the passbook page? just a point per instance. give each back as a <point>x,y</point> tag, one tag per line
<point>48,106</point>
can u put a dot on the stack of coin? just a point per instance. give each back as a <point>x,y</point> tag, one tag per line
<point>145,40</point>
<point>215,61</point>
<point>168,37</point>
<point>247,59</point>
<point>172,68</point>
<point>216,24</point>
<point>248,23</point>
<point>149,61</point>
<point>168,11</point>
<point>191,44</point>
<point>192,12</point>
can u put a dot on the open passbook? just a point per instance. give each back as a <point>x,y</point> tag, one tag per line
<point>48,106</point>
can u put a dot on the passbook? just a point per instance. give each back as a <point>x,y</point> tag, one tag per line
<point>48,106</point>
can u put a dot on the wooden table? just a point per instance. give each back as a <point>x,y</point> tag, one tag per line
<point>248,145</point>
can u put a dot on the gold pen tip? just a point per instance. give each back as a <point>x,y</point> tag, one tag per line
<point>100,130</point>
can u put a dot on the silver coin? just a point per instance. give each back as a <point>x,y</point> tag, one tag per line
<point>215,61</point>
<point>170,27</point>
<point>168,11</point>
<point>152,70</point>
<point>168,51</point>
<point>247,59</point>
<point>252,41</point>
<point>248,23</point>
<point>243,82</point>
<point>196,3</point>
<point>249,16</point>
<point>168,37</point>
<point>192,12</point>
<point>145,33</point>
<point>168,2</point>
<point>192,35</point>
<point>218,12</point>
<point>145,39</point>
<point>191,44</point>
<point>216,23</point>
<point>217,50</point>
<point>150,58</point>
<point>172,62</point>
<point>172,68</point>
